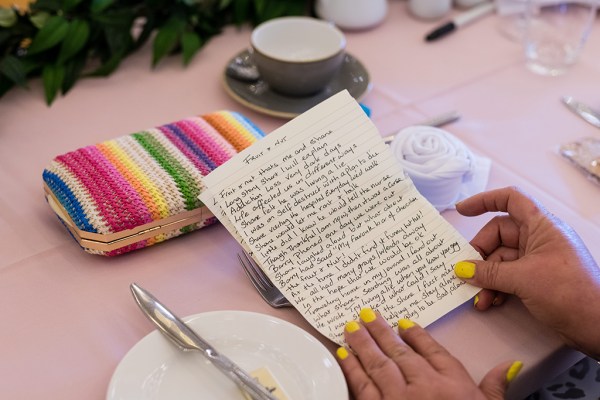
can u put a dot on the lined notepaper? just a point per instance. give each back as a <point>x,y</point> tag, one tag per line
<point>334,222</point>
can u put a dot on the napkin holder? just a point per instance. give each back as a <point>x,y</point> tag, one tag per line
<point>142,189</point>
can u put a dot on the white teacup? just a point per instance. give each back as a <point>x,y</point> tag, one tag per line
<point>352,14</point>
<point>297,56</point>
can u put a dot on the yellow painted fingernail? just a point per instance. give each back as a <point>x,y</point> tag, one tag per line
<point>464,269</point>
<point>352,326</point>
<point>342,353</point>
<point>476,300</point>
<point>404,324</point>
<point>513,371</point>
<point>367,315</point>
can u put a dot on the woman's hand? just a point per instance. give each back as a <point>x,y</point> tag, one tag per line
<point>532,254</point>
<point>411,366</point>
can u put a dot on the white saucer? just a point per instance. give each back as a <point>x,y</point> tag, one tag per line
<point>155,369</point>
<point>259,97</point>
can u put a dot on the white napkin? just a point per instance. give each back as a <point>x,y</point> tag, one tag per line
<point>441,166</point>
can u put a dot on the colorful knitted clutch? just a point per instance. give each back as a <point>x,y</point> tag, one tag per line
<point>141,189</point>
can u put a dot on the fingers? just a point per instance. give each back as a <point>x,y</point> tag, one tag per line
<point>414,352</point>
<point>496,275</point>
<point>498,241</point>
<point>503,253</point>
<point>509,199</point>
<point>484,299</point>
<point>487,297</point>
<point>500,231</point>
<point>359,381</point>
<point>372,369</point>
<point>409,363</point>
<point>494,383</point>
<point>385,365</point>
<point>427,347</point>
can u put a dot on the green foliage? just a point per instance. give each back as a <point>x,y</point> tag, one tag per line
<point>62,41</point>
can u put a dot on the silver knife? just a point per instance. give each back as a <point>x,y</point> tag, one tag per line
<point>186,339</point>
<point>437,121</point>
<point>584,111</point>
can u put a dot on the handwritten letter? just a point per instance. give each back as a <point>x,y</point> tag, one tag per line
<point>335,223</point>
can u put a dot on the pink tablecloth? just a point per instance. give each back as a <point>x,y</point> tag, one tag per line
<point>68,317</point>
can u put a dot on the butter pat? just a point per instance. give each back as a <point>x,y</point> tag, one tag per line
<point>265,377</point>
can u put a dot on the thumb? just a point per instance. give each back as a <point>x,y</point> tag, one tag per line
<point>495,275</point>
<point>494,383</point>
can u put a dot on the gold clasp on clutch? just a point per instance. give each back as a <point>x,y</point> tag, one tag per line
<point>113,241</point>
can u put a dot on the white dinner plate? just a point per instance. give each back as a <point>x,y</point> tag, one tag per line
<point>156,369</point>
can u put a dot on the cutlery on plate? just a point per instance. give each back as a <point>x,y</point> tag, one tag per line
<point>437,121</point>
<point>584,111</point>
<point>186,339</point>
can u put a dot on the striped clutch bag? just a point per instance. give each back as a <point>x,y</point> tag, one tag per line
<point>141,189</point>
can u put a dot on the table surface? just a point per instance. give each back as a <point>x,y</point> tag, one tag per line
<point>69,318</point>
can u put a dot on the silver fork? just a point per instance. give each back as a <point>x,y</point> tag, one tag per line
<point>262,283</point>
